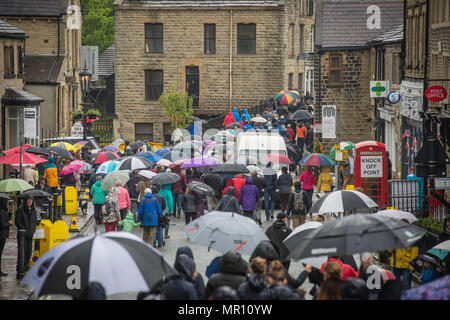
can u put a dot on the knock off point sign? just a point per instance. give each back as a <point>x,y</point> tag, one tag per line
<point>371,166</point>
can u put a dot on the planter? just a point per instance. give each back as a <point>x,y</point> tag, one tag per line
<point>90,117</point>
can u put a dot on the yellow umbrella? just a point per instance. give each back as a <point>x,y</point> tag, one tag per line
<point>78,146</point>
<point>64,145</point>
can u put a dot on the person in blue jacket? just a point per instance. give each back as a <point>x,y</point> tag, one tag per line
<point>149,213</point>
<point>245,116</point>
<point>429,273</point>
<point>236,116</point>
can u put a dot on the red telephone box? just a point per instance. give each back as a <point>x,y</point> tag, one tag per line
<point>371,171</point>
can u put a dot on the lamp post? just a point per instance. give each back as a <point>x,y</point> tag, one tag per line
<point>85,82</point>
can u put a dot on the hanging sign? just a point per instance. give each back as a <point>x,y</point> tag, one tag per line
<point>435,93</point>
<point>328,122</point>
<point>77,130</point>
<point>394,97</point>
<point>379,89</point>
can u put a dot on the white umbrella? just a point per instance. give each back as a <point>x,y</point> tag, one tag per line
<point>343,201</point>
<point>147,174</point>
<point>259,119</point>
<point>253,167</point>
<point>397,214</point>
<point>164,162</point>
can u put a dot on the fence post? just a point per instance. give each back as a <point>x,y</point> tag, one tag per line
<point>21,253</point>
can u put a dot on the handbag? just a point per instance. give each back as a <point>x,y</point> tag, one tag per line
<point>163,221</point>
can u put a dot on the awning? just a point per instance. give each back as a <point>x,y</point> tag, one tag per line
<point>18,96</point>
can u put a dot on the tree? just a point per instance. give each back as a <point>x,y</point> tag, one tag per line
<point>98,23</point>
<point>178,106</point>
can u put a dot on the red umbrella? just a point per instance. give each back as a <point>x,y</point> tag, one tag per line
<point>277,158</point>
<point>16,149</point>
<point>27,158</point>
<point>106,156</point>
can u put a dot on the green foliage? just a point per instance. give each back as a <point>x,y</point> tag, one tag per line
<point>77,114</point>
<point>98,23</point>
<point>177,106</point>
<point>93,112</point>
<point>430,224</point>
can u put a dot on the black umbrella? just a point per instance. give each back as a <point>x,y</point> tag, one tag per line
<point>60,152</point>
<point>230,168</point>
<point>301,115</point>
<point>5,196</point>
<point>134,163</point>
<point>35,193</point>
<point>176,155</point>
<point>232,125</point>
<point>37,150</point>
<point>357,233</point>
<point>136,145</point>
<point>201,188</point>
<point>165,178</point>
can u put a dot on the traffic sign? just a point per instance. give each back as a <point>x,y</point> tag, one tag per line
<point>435,93</point>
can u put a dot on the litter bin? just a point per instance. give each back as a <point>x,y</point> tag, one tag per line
<point>70,200</point>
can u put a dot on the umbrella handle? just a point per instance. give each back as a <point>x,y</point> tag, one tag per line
<point>210,244</point>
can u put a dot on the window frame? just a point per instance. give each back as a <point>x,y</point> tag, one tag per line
<point>147,84</point>
<point>148,38</point>
<point>20,61</point>
<point>330,69</point>
<point>238,38</point>
<point>206,39</point>
<point>136,124</point>
<point>9,63</point>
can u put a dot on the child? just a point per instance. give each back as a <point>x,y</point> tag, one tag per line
<point>429,273</point>
<point>128,223</point>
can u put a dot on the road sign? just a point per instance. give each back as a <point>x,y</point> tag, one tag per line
<point>371,166</point>
<point>379,89</point>
<point>435,93</point>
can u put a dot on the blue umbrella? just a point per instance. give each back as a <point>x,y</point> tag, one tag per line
<point>150,156</point>
<point>441,250</point>
<point>162,151</point>
<point>107,167</point>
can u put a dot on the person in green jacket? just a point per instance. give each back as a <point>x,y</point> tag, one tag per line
<point>128,223</point>
<point>98,199</point>
<point>166,193</point>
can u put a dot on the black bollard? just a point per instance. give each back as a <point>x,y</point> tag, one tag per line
<point>21,253</point>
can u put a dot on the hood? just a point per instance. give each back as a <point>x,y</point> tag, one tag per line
<point>233,263</point>
<point>130,216</point>
<point>51,159</point>
<point>279,224</point>
<point>185,250</point>
<point>249,181</point>
<point>245,110</point>
<point>297,186</point>
<point>98,183</point>
<point>185,266</point>
<point>256,282</point>
<point>149,195</point>
<point>281,292</point>
<point>354,289</point>
<point>230,114</point>
<point>325,170</point>
<point>230,191</point>
<point>266,251</point>
<point>234,109</point>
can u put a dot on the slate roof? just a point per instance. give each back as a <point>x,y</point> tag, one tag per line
<point>106,62</point>
<point>33,8</point>
<point>9,31</point>
<point>343,23</point>
<point>16,95</point>
<point>200,3</point>
<point>390,36</point>
<point>42,69</point>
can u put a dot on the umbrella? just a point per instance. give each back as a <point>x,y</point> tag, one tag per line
<point>317,160</point>
<point>269,171</point>
<point>224,231</point>
<point>107,167</point>
<point>259,119</point>
<point>233,125</point>
<point>199,162</point>
<point>37,150</point>
<point>176,155</point>
<point>111,148</point>
<point>298,235</point>
<point>27,158</point>
<point>297,91</point>
<point>147,174</point>
<point>179,162</point>
<point>120,261</point>
<point>188,146</point>
<point>162,151</point>
<point>136,145</point>
<point>35,193</point>
<point>85,168</point>
<point>133,163</point>
<point>63,153</point>
<point>277,158</point>
<point>164,162</point>
<point>230,168</point>
<point>64,145</point>
<point>117,143</point>
<point>14,185</point>
<point>286,97</point>
<point>165,178</point>
<point>417,262</point>
<point>78,146</point>
<point>441,250</point>
<point>150,156</point>
<point>345,145</point>
<point>83,142</point>
<point>301,115</point>
<point>438,289</point>
<point>111,179</point>
<point>201,188</point>
<point>105,156</point>
<point>357,233</point>
<point>397,214</point>
<point>258,169</point>
<point>72,167</point>
<point>16,149</point>
<point>342,201</point>
<point>5,196</point>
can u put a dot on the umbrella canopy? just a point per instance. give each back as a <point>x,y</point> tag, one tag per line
<point>14,185</point>
<point>64,145</point>
<point>357,233</point>
<point>258,169</point>
<point>286,97</point>
<point>136,145</point>
<point>277,158</point>
<point>72,167</point>
<point>37,150</point>
<point>35,193</point>
<point>317,160</point>
<point>441,250</point>
<point>259,119</point>
<point>120,261</point>
<point>417,262</point>
<point>201,188</point>
<point>16,149</point>
<point>78,146</point>
<point>111,179</point>
<point>5,196</point>
<point>179,162</point>
<point>438,289</point>
<point>298,235</point>
<point>111,148</point>
<point>150,156</point>
<point>164,162</point>
<point>162,151</point>
<point>301,115</point>
<point>165,178</point>
<point>232,125</point>
<point>85,168</point>
<point>133,163</point>
<point>60,152</point>
<point>230,168</point>
<point>176,155</point>
<point>188,146</point>
<point>269,171</point>
<point>147,174</point>
<point>224,231</point>
<point>342,201</point>
<point>199,162</point>
<point>345,145</point>
<point>397,214</point>
<point>107,167</point>
<point>106,156</point>
<point>27,158</point>
<point>297,91</point>
<point>117,143</point>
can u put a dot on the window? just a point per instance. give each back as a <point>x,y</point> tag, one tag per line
<point>167,133</point>
<point>246,38</point>
<point>300,81</point>
<point>310,8</point>
<point>301,38</point>
<point>153,84</point>
<point>396,68</point>
<point>335,68</point>
<point>290,80</point>
<point>292,27</point>
<point>19,61</point>
<point>210,38</point>
<point>154,38</point>
<point>143,131</point>
<point>8,56</point>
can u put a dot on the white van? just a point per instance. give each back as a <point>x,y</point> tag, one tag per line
<point>251,148</point>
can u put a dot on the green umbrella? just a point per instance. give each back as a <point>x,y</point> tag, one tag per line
<point>111,178</point>
<point>14,185</point>
<point>345,145</point>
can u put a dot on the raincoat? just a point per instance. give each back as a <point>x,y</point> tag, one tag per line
<point>149,211</point>
<point>51,173</point>
<point>401,257</point>
<point>245,115</point>
<point>128,223</point>
<point>112,206</point>
<point>98,194</point>
<point>229,119</point>
<point>236,116</point>
<point>166,192</point>
<point>325,180</point>
<point>248,196</point>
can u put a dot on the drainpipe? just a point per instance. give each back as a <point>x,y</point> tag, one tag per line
<point>58,88</point>
<point>231,58</point>
<point>59,35</point>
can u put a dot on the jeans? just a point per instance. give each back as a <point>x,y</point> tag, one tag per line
<point>177,203</point>
<point>405,274</point>
<point>309,195</point>
<point>134,209</point>
<point>189,216</point>
<point>98,213</point>
<point>158,237</point>
<point>269,201</point>
<point>248,214</point>
<point>301,143</point>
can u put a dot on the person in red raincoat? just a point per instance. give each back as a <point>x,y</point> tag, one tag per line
<point>229,119</point>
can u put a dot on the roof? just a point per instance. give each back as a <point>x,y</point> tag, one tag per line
<point>391,36</point>
<point>33,8</point>
<point>199,3</point>
<point>106,62</point>
<point>9,31</point>
<point>343,24</point>
<point>42,68</point>
<point>19,96</point>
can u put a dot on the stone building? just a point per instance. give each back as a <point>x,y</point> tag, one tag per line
<point>52,62</point>
<point>224,54</point>
<point>342,70</point>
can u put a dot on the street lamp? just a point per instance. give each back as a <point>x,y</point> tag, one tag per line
<point>85,82</point>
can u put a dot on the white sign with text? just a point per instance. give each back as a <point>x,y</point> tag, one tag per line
<point>371,166</point>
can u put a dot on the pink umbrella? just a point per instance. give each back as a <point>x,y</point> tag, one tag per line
<point>72,167</point>
<point>180,162</point>
<point>277,158</point>
<point>164,162</point>
<point>199,162</point>
<point>397,214</point>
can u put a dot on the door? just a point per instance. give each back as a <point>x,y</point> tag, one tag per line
<point>192,84</point>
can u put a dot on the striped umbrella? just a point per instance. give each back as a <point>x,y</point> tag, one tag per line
<point>107,167</point>
<point>105,156</point>
<point>286,97</point>
<point>133,163</point>
<point>119,261</point>
<point>342,201</point>
<point>317,160</point>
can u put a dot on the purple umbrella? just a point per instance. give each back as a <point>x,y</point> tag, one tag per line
<point>199,162</point>
<point>111,148</point>
<point>83,142</point>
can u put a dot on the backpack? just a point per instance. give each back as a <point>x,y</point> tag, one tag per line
<point>299,204</point>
